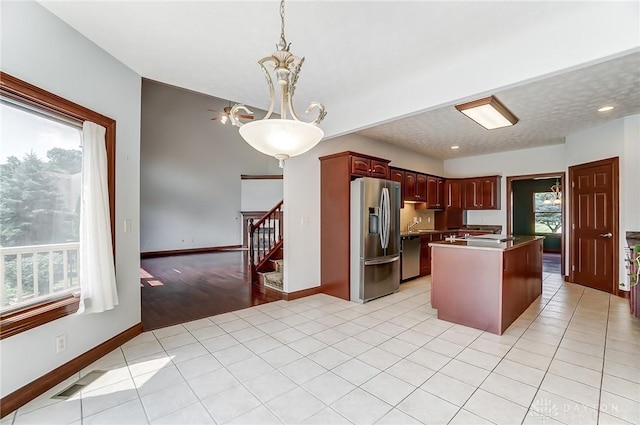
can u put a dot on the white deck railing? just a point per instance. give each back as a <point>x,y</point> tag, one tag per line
<point>32,273</point>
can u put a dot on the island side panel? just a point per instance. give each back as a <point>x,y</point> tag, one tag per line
<point>522,280</point>
<point>466,286</point>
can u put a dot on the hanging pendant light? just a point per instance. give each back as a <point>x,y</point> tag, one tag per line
<point>284,137</point>
<point>556,189</point>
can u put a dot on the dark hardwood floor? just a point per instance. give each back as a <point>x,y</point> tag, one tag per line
<point>551,262</point>
<point>181,288</point>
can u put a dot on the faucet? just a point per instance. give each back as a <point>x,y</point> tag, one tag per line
<point>410,225</point>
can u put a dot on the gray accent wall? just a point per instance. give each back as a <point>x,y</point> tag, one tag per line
<point>190,168</point>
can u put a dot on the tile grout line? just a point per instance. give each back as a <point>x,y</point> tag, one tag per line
<point>556,350</point>
<point>604,356</point>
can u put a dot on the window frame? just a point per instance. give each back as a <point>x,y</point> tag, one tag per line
<point>535,211</point>
<point>29,317</point>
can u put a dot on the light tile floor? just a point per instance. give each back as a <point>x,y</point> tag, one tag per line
<point>571,358</point>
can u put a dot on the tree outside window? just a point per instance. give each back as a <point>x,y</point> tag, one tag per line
<point>547,216</point>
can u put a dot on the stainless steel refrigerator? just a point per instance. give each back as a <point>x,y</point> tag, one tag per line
<point>375,238</point>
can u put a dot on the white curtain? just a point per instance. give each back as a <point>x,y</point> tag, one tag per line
<point>98,290</point>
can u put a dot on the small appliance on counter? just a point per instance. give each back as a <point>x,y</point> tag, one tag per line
<point>375,238</point>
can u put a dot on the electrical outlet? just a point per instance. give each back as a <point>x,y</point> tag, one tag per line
<point>61,343</point>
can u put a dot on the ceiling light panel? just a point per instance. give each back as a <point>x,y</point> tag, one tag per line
<point>488,112</point>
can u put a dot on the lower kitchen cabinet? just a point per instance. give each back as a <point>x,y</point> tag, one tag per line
<point>425,255</point>
<point>425,251</point>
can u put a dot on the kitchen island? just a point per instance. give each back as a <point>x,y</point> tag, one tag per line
<point>485,284</point>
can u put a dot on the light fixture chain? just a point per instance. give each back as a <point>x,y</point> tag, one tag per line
<point>283,42</point>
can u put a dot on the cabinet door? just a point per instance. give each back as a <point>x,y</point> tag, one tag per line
<point>397,175</point>
<point>379,169</point>
<point>470,194</point>
<point>421,188</point>
<point>425,255</point>
<point>432,192</point>
<point>453,194</point>
<point>410,186</point>
<point>488,188</point>
<point>360,166</point>
<point>440,193</point>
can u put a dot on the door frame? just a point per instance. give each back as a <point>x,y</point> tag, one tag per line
<point>615,202</point>
<point>561,176</point>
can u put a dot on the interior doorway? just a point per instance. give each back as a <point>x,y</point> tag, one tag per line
<point>536,206</point>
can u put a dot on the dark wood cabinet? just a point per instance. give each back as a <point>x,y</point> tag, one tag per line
<point>397,175</point>
<point>440,192</point>
<point>336,173</point>
<point>453,190</point>
<point>489,189</point>
<point>435,192</point>
<point>369,167</point>
<point>425,255</point>
<point>415,187</point>
<point>421,188</point>
<point>425,251</point>
<point>482,193</point>
<point>409,190</point>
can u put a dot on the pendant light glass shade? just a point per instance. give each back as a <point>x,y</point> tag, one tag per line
<point>281,138</point>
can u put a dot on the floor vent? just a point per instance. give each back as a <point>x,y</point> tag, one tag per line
<point>79,384</point>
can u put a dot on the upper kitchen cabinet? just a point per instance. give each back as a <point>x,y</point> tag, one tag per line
<point>482,193</point>
<point>368,166</point>
<point>415,187</point>
<point>435,192</point>
<point>397,175</point>
<point>453,190</point>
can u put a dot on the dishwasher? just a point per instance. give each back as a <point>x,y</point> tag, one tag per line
<point>410,257</point>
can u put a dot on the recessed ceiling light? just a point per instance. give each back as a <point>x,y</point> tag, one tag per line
<point>605,108</point>
<point>454,147</point>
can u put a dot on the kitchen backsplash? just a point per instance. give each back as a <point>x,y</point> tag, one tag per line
<point>409,212</point>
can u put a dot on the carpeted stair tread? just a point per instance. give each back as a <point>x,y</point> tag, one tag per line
<point>273,280</point>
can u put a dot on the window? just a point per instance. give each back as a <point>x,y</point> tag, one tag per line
<point>40,172</point>
<point>40,175</point>
<point>547,215</point>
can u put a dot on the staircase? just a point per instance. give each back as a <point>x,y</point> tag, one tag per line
<point>266,244</point>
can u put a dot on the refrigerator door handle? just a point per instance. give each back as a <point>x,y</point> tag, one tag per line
<point>383,260</point>
<point>384,218</point>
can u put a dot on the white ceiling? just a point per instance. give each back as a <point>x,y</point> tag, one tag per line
<point>392,69</point>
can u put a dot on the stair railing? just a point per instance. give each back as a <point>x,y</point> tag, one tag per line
<point>265,237</point>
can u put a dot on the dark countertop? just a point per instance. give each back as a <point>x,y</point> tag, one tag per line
<point>471,228</point>
<point>419,232</point>
<point>487,244</point>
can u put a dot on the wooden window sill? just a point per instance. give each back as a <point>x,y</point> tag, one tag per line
<point>19,321</point>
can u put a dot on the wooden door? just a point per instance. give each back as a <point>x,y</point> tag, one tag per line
<point>594,224</point>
